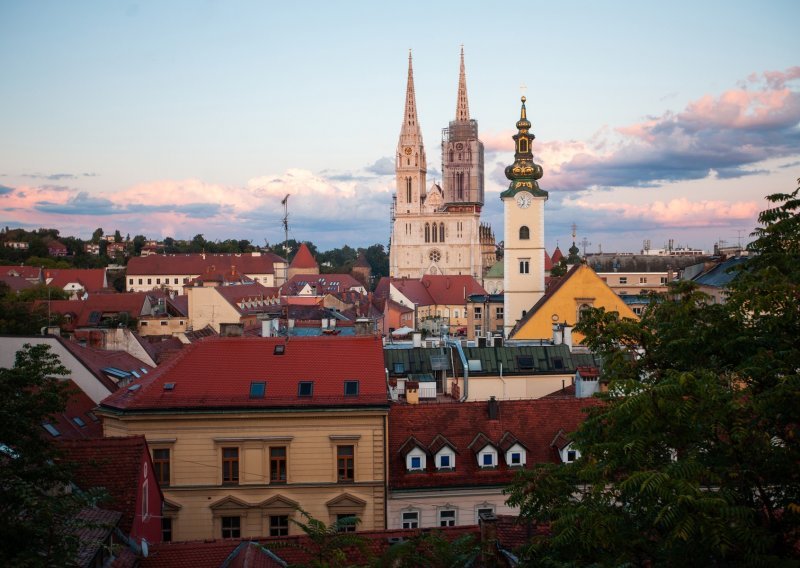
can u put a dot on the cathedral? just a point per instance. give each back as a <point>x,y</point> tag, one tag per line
<point>437,229</point>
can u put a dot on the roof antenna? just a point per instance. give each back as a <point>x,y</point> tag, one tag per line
<point>285,204</point>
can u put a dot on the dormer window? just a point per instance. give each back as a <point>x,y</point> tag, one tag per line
<point>445,459</point>
<point>516,456</point>
<point>415,460</point>
<point>257,389</point>
<point>305,388</point>
<point>487,457</point>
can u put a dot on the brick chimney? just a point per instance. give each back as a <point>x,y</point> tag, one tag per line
<point>494,408</point>
<point>488,524</point>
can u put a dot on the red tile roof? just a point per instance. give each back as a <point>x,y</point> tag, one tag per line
<point>303,258</point>
<point>112,463</point>
<point>30,272</point>
<point>438,289</point>
<point>548,262</point>
<point>16,283</point>
<point>294,550</point>
<point>79,405</point>
<point>98,359</point>
<point>534,423</point>
<point>92,279</point>
<point>258,296</point>
<point>217,372</point>
<point>196,264</point>
<point>324,283</point>
<point>557,256</point>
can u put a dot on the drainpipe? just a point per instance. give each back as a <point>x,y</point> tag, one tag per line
<point>503,381</point>
<point>457,345</point>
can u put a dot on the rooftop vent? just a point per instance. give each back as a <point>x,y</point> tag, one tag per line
<point>169,386</point>
<point>280,349</point>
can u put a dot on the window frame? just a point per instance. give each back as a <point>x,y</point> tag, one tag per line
<point>276,527</point>
<point>409,519</point>
<point>282,463</point>
<point>351,383</point>
<point>345,463</point>
<point>230,477</point>
<point>162,466</point>
<point>447,517</point>
<point>301,390</point>
<point>234,528</point>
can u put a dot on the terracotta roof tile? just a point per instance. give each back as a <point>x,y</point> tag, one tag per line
<point>30,272</point>
<point>303,258</point>
<point>92,279</point>
<point>98,359</point>
<point>80,406</point>
<point>217,372</point>
<point>196,264</point>
<point>111,463</point>
<point>534,423</point>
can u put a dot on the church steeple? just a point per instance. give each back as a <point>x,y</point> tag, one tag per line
<point>462,105</point>
<point>410,133</point>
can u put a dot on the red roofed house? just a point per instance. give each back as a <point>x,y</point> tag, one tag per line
<point>77,281</point>
<point>121,466</point>
<point>303,263</point>
<point>57,248</point>
<point>173,271</point>
<point>439,300</point>
<point>245,430</point>
<point>450,462</point>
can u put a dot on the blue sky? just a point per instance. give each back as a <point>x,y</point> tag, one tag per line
<point>653,121</point>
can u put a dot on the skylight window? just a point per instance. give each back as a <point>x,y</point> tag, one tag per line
<point>134,388</point>
<point>258,389</point>
<point>52,430</point>
<point>92,416</point>
<point>79,421</point>
<point>280,349</point>
<point>169,386</point>
<point>305,388</point>
<point>135,374</point>
<point>351,388</point>
<point>399,368</point>
<point>144,370</point>
<point>474,365</point>
<point>525,362</point>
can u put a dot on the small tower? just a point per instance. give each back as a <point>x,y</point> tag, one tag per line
<point>523,210</point>
<point>303,262</point>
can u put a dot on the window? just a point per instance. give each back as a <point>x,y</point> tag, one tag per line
<point>441,232</point>
<point>663,279</point>
<point>161,465</point>
<point>257,389</point>
<point>409,519</point>
<point>416,462</point>
<point>445,459</point>
<point>524,233</point>
<point>52,430</point>
<point>524,266</point>
<point>478,311</point>
<point>92,416</point>
<point>345,523</point>
<point>487,457</point>
<point>130,281</point>
<point>166,529</point>
<point>427,233</point>
<point>158,280</point>
<point>77,420</point>
<point>447,517</point>
<point>344,463</point>
<point>230,465</point>
<point>277,465</point>
<point>149,280</point>
<point>515,458</point>
<point>498,313</point>
<point>278,525</point>
<point>140,280</point>
<point>351,388</point>
<point>305,388</point>
<point>231,527</point>
<point>399,368</point>
<point>279,349</point>
<point>572,455</point>
<point>175,281</point>
<point>643,280</point>
<point>623,279</point>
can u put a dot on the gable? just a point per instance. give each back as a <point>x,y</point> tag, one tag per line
<point>581,286</point>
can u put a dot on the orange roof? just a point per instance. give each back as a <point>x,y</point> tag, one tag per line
<point>92,279</point>
<point>303,258</point>
<point>196,264</point>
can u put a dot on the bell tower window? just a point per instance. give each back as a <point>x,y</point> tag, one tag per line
<point>441,232</point>
<point>523,145</point>
<point>427,233</point>
<point>408,189</point>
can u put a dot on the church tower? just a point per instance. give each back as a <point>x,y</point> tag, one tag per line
<point>436,230</point>
<point>523,212</point>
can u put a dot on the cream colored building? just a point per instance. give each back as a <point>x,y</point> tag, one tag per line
<point>244,431</point>
<point>436,229</point>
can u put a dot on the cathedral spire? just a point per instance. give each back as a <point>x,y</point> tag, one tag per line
<point>462,106</point>
<point>410,124</point>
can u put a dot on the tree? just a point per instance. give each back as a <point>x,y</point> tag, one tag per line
<point>431,550</point>
<point>692,457</point>
<point>328,544</point>
<point>97,235</point>
<point>37,517</point>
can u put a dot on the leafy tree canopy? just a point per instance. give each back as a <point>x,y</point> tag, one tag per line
<point>692,460</point>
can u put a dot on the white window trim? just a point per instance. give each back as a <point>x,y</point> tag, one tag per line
<point>417,452</point>
<point>405,512</point>
<point>565,453</point>
<point>516,448</point>
<point>483,505</point>
<point>487,450</point>
<point>445,451</point>
<point>446,509</point>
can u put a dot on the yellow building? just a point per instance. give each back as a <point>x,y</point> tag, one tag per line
<point>244,431</point>
<point>579,289</point>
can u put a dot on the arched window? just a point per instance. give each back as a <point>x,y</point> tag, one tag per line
<point>427,233</point>
<point>451,155</point>
<point>524,233</point>
<point>583,309</point>
<point>434,233</point>
<point>523,145</point>
<point>441,232</point>
<point>408,189</point>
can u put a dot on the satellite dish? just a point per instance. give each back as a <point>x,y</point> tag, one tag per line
<point>145,548</point>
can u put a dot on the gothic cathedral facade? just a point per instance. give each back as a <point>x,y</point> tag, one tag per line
<point>437,229</point>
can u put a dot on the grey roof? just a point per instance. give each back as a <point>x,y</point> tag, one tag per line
<point>612,262</point>
<point>721,275</point>
<point>516,360</point>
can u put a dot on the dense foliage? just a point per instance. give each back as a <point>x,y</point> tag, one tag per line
<point>37,514</point>
<point>693,458</point>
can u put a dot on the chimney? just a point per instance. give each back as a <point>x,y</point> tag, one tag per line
<point>266,328</point>
<point>494,408</point>
<point>567,335</point>
<point>556,334</point>
<point>488,524</point>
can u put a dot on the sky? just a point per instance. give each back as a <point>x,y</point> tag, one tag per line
<point>653,121</point>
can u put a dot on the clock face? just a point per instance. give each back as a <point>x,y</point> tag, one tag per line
<point>524,199</point>
<point>459,146</point>
<point>408,151</point>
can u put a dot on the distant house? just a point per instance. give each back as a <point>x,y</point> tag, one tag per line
<point>57,248</point>
<point>77,281</point>
<point>18,245</point>
<point>172,272</point>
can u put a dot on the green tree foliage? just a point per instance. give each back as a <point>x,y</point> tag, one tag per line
<point>692,459</point>
<point>37,516</point>
<point>97,235</point>
<point>378,259</point>
<point>21,315</point>
<point>327,545</point>
<point>431,550</point>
